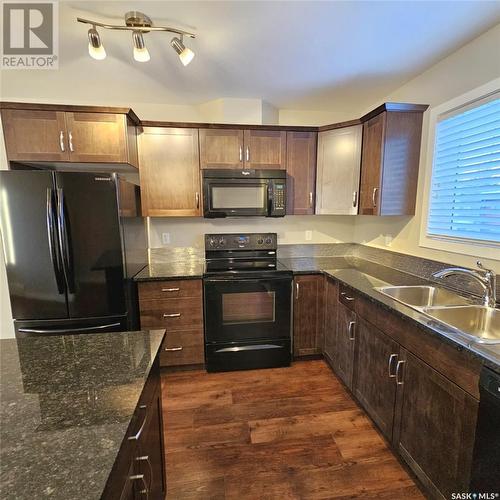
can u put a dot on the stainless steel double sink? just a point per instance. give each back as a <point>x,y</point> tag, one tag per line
<point>479,323</point>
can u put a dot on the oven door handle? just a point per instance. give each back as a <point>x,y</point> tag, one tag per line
<point>245,280</point>
<point>257,347</point>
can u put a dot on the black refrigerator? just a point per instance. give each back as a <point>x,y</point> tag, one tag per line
<point>72,244</point>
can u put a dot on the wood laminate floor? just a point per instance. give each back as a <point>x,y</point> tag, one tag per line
<point>285,433</point>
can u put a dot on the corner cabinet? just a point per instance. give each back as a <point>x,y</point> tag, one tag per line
<point>169,170</point>
<point>308,315</point>
<point>339,161</point>
<point>301,172</point>
<point>53,134</point>
<point>390,161</point>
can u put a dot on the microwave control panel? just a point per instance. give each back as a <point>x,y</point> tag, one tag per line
<point>279,199</point>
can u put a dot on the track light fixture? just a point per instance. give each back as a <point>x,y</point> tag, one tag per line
<point>96,50</point>
<point>138,23</point>
<point>185,55</point>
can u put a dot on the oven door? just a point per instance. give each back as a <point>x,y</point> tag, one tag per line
<point>244,309</point>
<point>235,197</point>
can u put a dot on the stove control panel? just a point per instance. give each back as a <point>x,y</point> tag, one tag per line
<point>241,241</point>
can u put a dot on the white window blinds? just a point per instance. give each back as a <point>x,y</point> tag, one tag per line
<point>465,186</point>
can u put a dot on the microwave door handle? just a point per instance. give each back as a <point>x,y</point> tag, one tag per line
<point>269,199</point>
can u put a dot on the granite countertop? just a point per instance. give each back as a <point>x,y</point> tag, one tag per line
<point>188,269</point>
<point>66,404</point>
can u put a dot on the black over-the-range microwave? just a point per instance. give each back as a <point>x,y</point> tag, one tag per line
<point>240,193</point>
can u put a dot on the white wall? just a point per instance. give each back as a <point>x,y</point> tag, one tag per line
<point>475,64</point>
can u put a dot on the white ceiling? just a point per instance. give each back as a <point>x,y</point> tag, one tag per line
<point>326,55</point>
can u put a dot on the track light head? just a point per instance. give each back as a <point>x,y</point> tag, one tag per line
<point>96,49</point>
<point>185,54</point>
<point>141,53</point>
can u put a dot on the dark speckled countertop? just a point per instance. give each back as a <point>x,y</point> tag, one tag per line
<point>188,269</point>
<point>66,404</point>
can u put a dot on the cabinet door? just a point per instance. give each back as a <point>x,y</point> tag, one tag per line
<point>339,161</point>
<point>435,427</point>
<point>345,341</point>
<point>169,172</point>
<point>330,328</point>
<point>308,315</point>
<point>97,137</point>
<point>151,450</point>
<point>371,164</point>
<point>35,135</point>
<point>265,149</point>
<point>221,148</point>
<point>301,172</point>
<point>374,374</point>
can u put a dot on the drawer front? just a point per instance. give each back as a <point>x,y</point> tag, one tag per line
<point>183,348</point>
<point>175,314</point>
<point>347,297</point>
<point>170,289</point>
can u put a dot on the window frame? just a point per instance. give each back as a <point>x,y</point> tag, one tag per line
<point>467,246</point>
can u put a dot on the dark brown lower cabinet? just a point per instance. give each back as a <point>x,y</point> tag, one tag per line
<point>343,362</point>
<point>375,374</point>
<point>330,328</point>
<point>434,428</point>
<point>308,314</point>
<point>139,469</point>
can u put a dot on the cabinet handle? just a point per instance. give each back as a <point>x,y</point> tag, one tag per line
<point>310,200</point>
<point>174,349</point>
<point>241,153</point>
<point>297,287</point>
<point>145,458</point>
<point>392,357</point>
<point>173,315</point>
<point>136,436</point>
<point>170,289</point>
<point>350,329</point>
<point>374,196</point>
<point>399,372</point>
<point>354,198</point>
<point>346,297</point>
<point>61,141</point>
<point>136,477</point>
<point>248,154</point>
<point>70,138</point>
<point>197,199</point>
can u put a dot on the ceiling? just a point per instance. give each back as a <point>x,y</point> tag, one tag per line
<point>297,55</point>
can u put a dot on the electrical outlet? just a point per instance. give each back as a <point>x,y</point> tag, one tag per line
<point>309,235</point>
<point>165,238</point>
<point>388,240</point>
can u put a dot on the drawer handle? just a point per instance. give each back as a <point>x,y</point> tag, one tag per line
<point>392,357</point>
<point>136,477</point>
<point>346,297</point>
<point>174,349</point>
<point>399,373</point>
<point>145,458</point>
<point>350,329</point>
<point>136,437</point>
<point>170,289</point>
<point>173,315</point>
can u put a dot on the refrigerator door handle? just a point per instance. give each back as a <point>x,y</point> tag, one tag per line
<point>68,330</point>
<point>52,238</point>
<point>64,241</point>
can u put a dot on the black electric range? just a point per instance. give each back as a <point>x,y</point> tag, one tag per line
<point>247,303</point>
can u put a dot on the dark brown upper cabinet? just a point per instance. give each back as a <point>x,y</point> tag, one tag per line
<point>169,172</point>
<point>265,149</point>
<point>308,314</point>
<point>77,134</point>
<point>239,148</point>
<point>389,161</point>
<point>301,172</point>
<point>221,148</point>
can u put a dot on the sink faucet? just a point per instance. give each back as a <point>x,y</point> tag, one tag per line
<point>487,279</point>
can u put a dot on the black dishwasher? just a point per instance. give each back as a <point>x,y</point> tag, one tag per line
<point>486,459</point>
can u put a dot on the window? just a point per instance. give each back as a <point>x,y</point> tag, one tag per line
<point>464,202</point>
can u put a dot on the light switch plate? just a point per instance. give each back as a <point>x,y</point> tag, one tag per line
<point>309,235</point>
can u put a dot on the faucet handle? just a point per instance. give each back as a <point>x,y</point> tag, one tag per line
<point>480,265</point>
